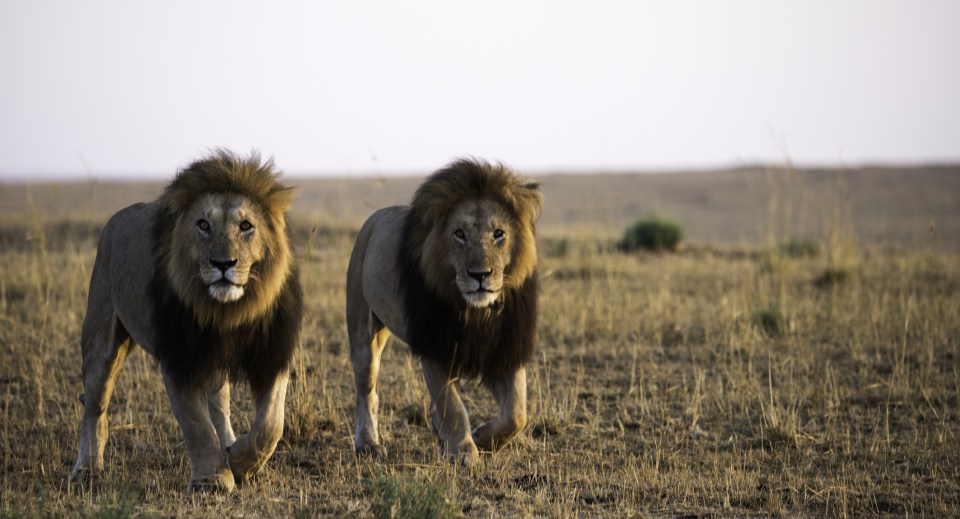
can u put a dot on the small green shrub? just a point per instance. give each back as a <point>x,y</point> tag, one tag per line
<point>409,496</point>
<point>119,507</point>
<point>652,233</point>
<point>831,278</point>
<point>556,247</point>
<point>770,320</point>
<point>800,249</point>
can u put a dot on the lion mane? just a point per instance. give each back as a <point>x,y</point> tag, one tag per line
<point>253,337</point>
<point>491,342</point>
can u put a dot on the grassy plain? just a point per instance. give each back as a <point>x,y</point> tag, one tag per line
<point>799,356</point>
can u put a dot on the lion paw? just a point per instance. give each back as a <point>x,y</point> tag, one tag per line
<point>243,458</point>
<point>84,474</point>
<point>483,437</point>
<point>374,451</point>
<point>222,482</point>
<point>85,470</point>
<point>490,436</point>
<point>465,459</point>
<point>465,454</point>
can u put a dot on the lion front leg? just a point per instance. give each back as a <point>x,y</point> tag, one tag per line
<point>218,404</point>
<point>511,396</point>
<point>208,468</point>
<point>252,450</point>
<point>450,416</point>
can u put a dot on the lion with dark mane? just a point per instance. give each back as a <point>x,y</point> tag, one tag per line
<point>454,276</point>
<point>204,280</point>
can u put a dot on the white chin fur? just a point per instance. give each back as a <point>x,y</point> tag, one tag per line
<point>480,299</point>
<point>225,293</point>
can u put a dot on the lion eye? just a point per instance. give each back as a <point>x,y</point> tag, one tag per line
<point>459,235</point>
<point>203,225</point>
<point>499,234</point>
<point>245,226</point>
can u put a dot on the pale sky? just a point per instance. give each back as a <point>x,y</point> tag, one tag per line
<point>127,89</point>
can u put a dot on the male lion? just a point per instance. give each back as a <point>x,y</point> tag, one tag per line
<point>203,279</point>
<point>454,276</point>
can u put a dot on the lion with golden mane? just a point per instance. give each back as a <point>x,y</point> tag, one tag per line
<point>454,276</point>
<point>204,280</point>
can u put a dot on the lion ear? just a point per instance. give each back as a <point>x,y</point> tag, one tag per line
<point>280,199</point>
<point>531,200</point>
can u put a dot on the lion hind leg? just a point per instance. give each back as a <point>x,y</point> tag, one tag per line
<point>103,354</point>
<point>511,397</point>
<point>450,416</point>
<point>366,347</point>
<point>252,450</point>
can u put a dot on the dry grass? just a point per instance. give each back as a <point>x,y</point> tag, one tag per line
<point>719,380</point>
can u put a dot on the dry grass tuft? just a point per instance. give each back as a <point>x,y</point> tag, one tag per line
<point>410,496</point>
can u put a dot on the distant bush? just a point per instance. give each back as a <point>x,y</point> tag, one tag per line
<point>556,247</point>
<point>770,320</point>
<point>801,249</point>
<point>830,278</point>
<point>652,233</point>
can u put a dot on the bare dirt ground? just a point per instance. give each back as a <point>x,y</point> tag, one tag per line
<point>736,377</point>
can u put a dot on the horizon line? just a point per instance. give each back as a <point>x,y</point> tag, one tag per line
<point>7,177</point>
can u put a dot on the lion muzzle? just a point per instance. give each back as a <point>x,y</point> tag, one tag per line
<point>478,288</point>
<point>222,280</point>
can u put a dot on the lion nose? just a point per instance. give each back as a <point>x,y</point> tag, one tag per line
<point>223,265</point>
<point>480,276</point>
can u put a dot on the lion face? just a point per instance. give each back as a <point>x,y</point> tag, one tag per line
<point>480,236</point>
<point>225,234</point>
<point>471,233</point>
